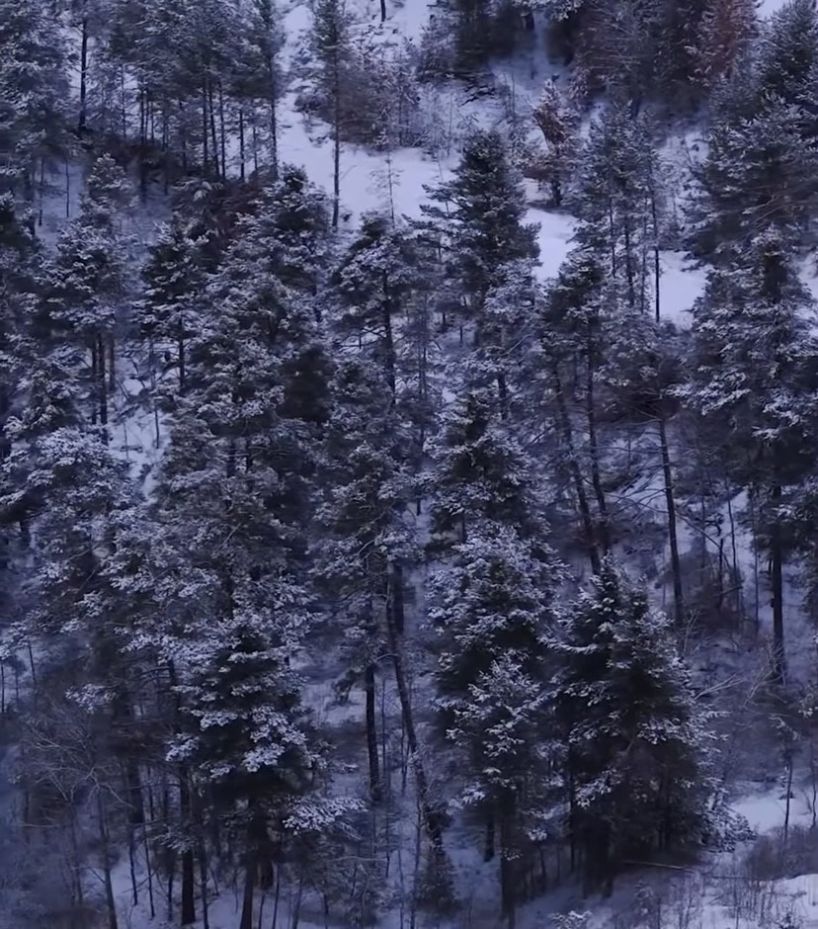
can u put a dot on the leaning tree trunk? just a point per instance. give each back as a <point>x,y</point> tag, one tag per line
<point>431,821</point>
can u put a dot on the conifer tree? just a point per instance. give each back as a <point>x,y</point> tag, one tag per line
<point>330,41</point>
<point>375,280</point>
<point>370,536</point>
<point>295,214</point>
<point>480,215</point>
<point>366,516</point>
<point>174,284</point>
<point>635,743</point>
<point>260,77</point>
<point>19,261</point>
<point>557,122</point>
<point>481,472</point>
<point>33,93</point>
<point>788,51</point>
<point>247,741</point>
<point>644,377</point>
<point>725,31</point>
<point>678,49</point>
<point>755,386</point>
<point>617,197</point>
<point>758,173</point>
<point>492,613</point>
<point>575,332</point>
<point>91,280</point>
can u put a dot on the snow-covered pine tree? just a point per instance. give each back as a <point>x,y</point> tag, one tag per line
<point>643,376</point>
<point>557,120</point>
<point>788,51</point>
<point>678,50</point>
<point>19,261</point>
<point>366,518</point>
<point>259,80</point>
<point>755,387</point>
<point>562,9</point>
<point>331,47</point>
<point>481,472</point>
<point>501,727</point>
<point>368,540</point>
<point>173,293</point>
<point>758,173</point>
<point>296,216</point>
<point>246,740</point>
<point>492,611</point>
<point>725,31</point>
<point>635,743</point>
<point>477,219</point>
<point>33,94</point>
<point>617,195</point>
<point>483,28</point>
<point>91,281</point>
<point>374,281</point>
<point>20,285</point>
<point>233,501</point>
<point>574,332</point>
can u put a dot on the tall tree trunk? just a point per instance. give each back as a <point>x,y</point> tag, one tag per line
<point>110,900</point>
<point>213,137</point>
<point>629,272</point>
<point>489,844</point>
<point>383,11</point>
<point>249,887</point>
<point>372,733</point>
<point>576,474</point>
<point>180,354</point>
<point>102,386</point>
<point>502,393</point>
<point>94,382</point>
<point>390,361</point>
<point>596,477</point>
<point>242,169</point>
<point>336,143</point>
<point>201,854</point>
<point>657,267</point>
<point>670,503</point>
<point>508,892</point>
<point>222,132</point>
<point>398,598</point>
<point>777,585</point>
<point>188,915</point>
<point>430,819</point>
<point>81,122</point>
<point>273,105</point>
<point>205,159</point>
<point>112,364</point>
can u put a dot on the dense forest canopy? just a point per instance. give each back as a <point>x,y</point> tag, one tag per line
<point>408,463</point>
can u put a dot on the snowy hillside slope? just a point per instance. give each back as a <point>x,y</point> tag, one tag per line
<point>717,893</point>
